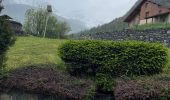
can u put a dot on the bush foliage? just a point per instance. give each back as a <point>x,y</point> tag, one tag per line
<point>113,58</point>
<point>6,39</point>
<point>151,26</point>
<point>106,59</point>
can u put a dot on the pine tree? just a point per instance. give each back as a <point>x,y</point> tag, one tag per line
<point>1,7</point>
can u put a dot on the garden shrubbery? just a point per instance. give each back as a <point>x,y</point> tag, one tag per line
<point>113,59</point>
<point>6,39</point>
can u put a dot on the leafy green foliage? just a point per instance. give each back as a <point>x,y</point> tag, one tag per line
<point>36,20</point>
<point>1,7</point>
<point>107,59</point>
<point>116,25</point>
<point>151,26</point>
<point>6,39</point>
<point>114,58</point>
<point>105,82</point>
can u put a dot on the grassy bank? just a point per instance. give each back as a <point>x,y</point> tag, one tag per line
<point>33,50</point>
<point>38,51</point>
<point>151,26</point>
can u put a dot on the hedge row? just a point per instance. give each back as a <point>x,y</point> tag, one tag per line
<point>108,59</point>
<point>128,58</point>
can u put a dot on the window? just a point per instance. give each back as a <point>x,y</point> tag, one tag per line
<point>159,6</point>
<point>147,14</point>
<point>146,5</point>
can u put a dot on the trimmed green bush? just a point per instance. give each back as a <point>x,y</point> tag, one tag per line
<point>113,58</point>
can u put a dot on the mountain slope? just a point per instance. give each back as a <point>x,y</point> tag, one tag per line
<point>17,12</point>
<point>116,25</point>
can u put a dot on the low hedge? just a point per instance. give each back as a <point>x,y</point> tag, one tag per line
<point>87,57</point>
<point>108,59</point>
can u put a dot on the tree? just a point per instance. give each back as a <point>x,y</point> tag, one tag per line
<point>7,38</point>
<point>36,20</point>
<point>62,29</point>
<point>1,7</point>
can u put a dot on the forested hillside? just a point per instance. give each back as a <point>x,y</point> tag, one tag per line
<point>116,25</point>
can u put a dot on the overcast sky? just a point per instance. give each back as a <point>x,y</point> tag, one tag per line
<point>92,12</point>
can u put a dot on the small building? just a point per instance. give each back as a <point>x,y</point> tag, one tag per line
<point>16,26</point>
<point>149,11</point>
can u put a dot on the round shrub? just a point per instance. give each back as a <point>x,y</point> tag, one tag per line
<point>87,57</point>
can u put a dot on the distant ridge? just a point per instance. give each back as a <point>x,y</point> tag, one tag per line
<point>17,12</point>
<point>115,25</point>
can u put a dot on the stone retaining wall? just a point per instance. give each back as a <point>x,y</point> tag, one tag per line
<point>156,35</point>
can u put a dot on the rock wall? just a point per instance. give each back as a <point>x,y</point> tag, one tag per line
<point>154,35</point>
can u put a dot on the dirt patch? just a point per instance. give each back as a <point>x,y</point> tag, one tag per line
<point>46,80</point>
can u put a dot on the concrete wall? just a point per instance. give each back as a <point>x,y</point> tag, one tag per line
<point>142,22</point>
<point>168,20</point>
<point>135,20</point>
<point>149,21</point>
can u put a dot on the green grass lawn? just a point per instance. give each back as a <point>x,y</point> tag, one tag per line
<point>33,50</point>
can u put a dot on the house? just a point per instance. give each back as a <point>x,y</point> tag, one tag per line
<point>16,26</point>
<point>148,11</point>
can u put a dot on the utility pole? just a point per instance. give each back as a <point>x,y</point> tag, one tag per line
<point>49,11</point>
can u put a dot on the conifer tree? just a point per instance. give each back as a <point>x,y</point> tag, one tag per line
<point>7,38</point>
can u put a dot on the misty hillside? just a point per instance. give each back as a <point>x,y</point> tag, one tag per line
<point>115,25</point>
<point>17,12</point>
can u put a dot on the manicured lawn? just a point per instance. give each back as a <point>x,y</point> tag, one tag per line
<point>34,50</point>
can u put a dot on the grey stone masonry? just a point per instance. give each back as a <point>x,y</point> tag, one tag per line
<point>152,35</point>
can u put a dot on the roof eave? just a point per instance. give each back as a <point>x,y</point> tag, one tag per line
<point>131,11</point>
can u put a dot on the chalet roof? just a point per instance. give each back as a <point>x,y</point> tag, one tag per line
<point>5,17</point>
<point>10,19</point>
<point>15,22</point>
<point>165,3</point>
<point>134,9</point>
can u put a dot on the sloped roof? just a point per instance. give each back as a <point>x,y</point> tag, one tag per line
<point>5,17</point>
<point>131,11</point>
<point>164,3</point>
<point>10,19</point>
